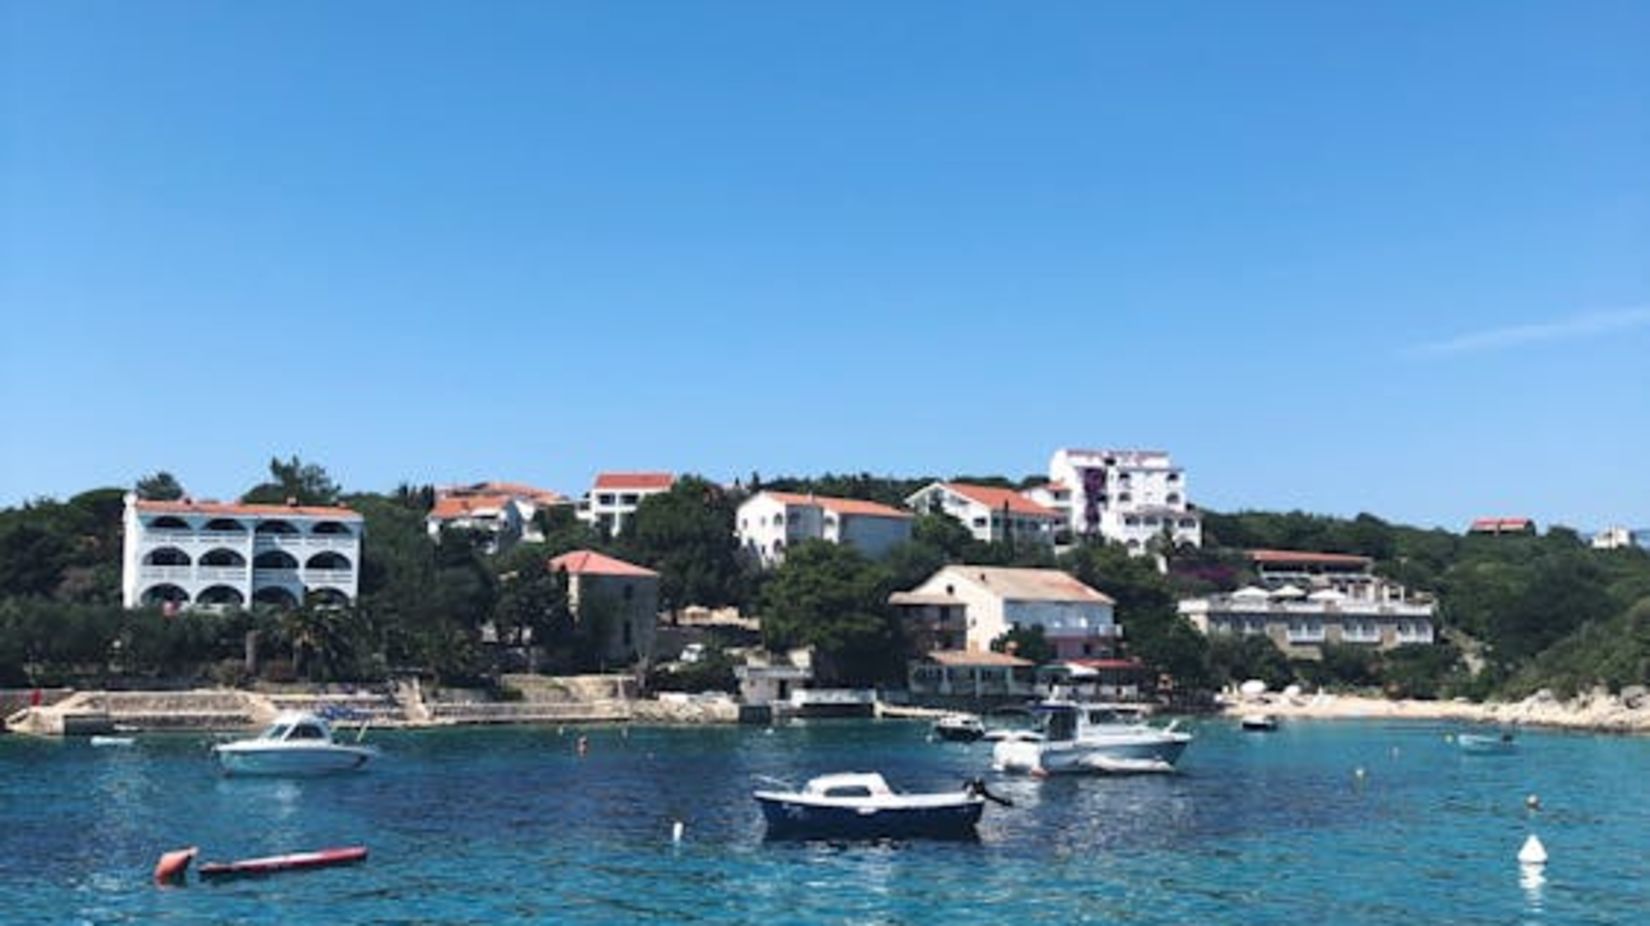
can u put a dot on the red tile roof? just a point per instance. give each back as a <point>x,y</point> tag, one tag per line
<point>842,506</point>
<point>188,506</point>
<point>962,657</point>
<point>462,506</point>
<point>591,563</point>
<point>1302,556</point>
<point>993,497</point>
<point>635,480</point>
<point>512,489</point>
<point>1501,525</point>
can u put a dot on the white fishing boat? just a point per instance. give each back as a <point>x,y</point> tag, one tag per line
<point>297,743</point>
<point>1092,739</point>
<point>1258,723</point>
<point>1487,744</point>
<point>860,805</point>
<point>960,728</point>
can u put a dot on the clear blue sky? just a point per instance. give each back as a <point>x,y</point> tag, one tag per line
<point>1385,256</point>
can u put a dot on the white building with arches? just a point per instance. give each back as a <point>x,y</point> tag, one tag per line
<point>186,553</point>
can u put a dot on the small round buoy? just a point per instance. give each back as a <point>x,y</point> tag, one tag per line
<point>1359,773</point>
<point>1533,801</point>
<point>1533,853</point>
<point>1395,752</point>
<point>676,830</point>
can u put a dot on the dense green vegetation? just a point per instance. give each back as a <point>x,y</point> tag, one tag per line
<point>1518,612</point>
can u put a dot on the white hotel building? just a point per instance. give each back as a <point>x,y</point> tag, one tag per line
<point>186,553</point>
<point>1128,496</point>
<point>991,513</point>
<point>770,522</point>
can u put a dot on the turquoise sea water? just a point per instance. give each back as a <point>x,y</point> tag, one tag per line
<point>510,825</point>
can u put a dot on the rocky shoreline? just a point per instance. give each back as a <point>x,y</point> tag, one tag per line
<point>1594,711</point>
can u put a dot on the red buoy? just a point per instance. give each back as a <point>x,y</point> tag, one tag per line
<point>296,861</point>
<point>174,865</point>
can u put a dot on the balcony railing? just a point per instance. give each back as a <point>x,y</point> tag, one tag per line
<point>220,573</point>
<point>328,576</point>
<point>166,573</point>
<point>275,576</point>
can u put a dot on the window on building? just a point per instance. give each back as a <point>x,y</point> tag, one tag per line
<point>979,522</point>
<point>606,498</point>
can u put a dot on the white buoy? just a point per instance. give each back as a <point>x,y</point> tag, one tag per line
<point>1533,802</point>
<point>1533,853</point>
<point>1358,773</point>
<point>676,830</point>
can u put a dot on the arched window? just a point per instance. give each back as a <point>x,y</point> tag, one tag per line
<point>274,559</point>
<point>168,523</point>
<point>327,560</point>
<point>164,594</point>
<point>222,556</point>
<point>330,527</point>
<point>225,524</point>
<point>327,598</point>
<point>166,556</point>
<point>276,527</point>
<point>221,595</point>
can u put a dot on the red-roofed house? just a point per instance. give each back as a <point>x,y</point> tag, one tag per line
<point>990,513</point>
<point>982,603</point>
<point>615,496</point>
<point>622,598</point>
<point>770,522</point>
<point>498,518</point>
<point>1502,526</point>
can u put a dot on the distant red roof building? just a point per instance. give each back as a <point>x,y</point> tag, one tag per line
<point>848,506</point>
<point>1502,526</point>
<point>589,562</point>
<point>635,480</point>
<point>1302,557</point>
<point>994,497</point>
<point>512,489</point>
<point>451,507</point>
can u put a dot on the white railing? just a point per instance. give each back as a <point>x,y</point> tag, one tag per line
<point>1360,635</point>
<point>1314,608</point>
<point>1306,635</point>
<point>220,573</point>
<point>278,541</point>
<point>327,576</point>
<point>275,576</point>
<point>221,538</point>
<point>168,573</point>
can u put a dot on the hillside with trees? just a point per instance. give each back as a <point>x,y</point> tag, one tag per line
<point>1517,613</point>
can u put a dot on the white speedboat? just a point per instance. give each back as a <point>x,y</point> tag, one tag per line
<point>296,743</point>
<point>961,728</point>
<point>860,805</point>
<point>1259,723</point>
<point>1092,739</point>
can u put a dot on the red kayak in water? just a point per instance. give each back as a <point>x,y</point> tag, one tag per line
<point>295,861</point>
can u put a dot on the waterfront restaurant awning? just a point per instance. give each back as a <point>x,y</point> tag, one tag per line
<point>1251,591</point>
<point>1289,591</point>
<point>1327,594</point>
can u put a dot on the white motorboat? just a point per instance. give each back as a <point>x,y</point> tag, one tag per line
<point>961,728</point>
<point>1091,739</point>
<point>297,743</point>
<point>1258,723</point>
<point>860,805</point>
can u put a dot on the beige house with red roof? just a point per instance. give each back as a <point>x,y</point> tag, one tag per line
<point>623,596</point>
<point>991,514</point>
<point>614,497</point>
<point>969,607</point>
<point>498,518</point>
<point>186,553</point>
<point>768,523</point>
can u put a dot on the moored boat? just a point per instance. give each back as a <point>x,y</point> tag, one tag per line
<point>1258,723</point>
<point>297,743</point>
<point>1081,738</point>
<point>1487,743</point>
<point>861,805</point>
<point>960,728</point>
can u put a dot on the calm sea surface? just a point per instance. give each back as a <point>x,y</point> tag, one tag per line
<point>510,825</point>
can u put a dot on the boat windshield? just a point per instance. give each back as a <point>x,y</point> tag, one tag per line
<point>1060,725</point>
<point>308,731</point>
<point>276,732</point>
